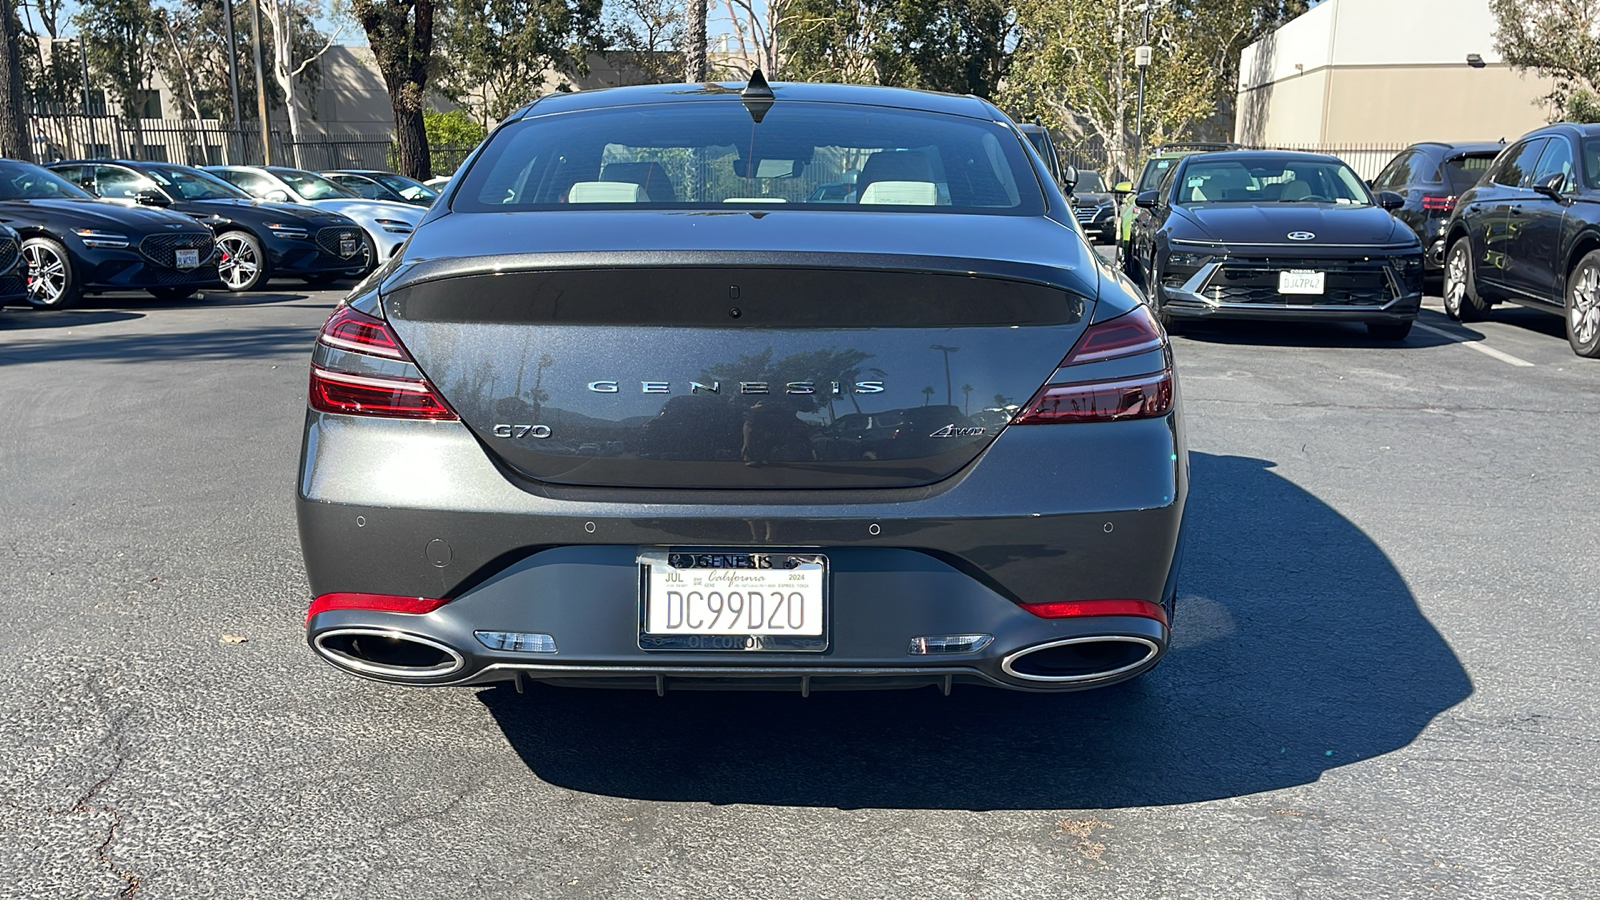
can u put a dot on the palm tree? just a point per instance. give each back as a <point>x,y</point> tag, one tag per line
<point>927,395</point>
<point>694,55</point>
<point>966,399</point>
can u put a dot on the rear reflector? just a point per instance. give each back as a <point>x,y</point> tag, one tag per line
<point>379,602</point>
<point>1439,204</point>
<point>365,395</point>
<point>1070,609</point>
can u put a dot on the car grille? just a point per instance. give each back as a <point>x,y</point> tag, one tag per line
<point>1364,283</point>
<point>329,238</point>
<point>162,249</point>
<point>160,276</point>
<point>13,284</point>
<point>8,254</point>
<point>1086,214</point>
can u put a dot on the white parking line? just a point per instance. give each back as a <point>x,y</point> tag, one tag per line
<point>1478,346</point>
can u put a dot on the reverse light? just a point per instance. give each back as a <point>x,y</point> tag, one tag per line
<point>101,240</point>
<point>378,602</point>
<point>517,641</point>
<point>1072,609</point>
<point>1438,204</point>
<point>949,643</point>
<point>1107,400</point>
<point>336,390</point>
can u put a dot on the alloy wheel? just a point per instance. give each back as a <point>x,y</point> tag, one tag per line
<point>1455,283</point>
<point>1584,306</point>
<point>239,265</point>
<point>47,275</point>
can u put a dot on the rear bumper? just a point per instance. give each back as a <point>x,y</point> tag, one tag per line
<point>418,509</point>
<point>1402,310</point>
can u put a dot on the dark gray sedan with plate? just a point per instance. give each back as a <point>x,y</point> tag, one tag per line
<point>636,407</point>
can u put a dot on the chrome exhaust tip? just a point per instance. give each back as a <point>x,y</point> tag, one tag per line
<point>1080,659</point>
<point>387,653</point>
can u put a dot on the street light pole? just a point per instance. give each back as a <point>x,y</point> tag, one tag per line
<point>949,395</point>
<point>1141,59</point>
<point>233,59</point>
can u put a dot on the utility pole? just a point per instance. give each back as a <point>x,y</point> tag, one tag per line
<point>261,83</point>
<point>233,59</point>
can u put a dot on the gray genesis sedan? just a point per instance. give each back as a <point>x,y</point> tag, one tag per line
<point>641,405</point>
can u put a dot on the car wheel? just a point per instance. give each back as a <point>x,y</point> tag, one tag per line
<point>1462,301</point>
<point>51,282</point>
<point>367,255</point>
<point>173,293</point>
<point>244,265</point>
<point>1583,306</point>
<point>1389,331</point>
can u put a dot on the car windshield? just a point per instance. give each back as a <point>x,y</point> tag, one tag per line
<point>1153,172</point>
<point>1269,180</point>
<point>1089,183</point>
<point>1463,172</point>
<point>25,181</point>
<point>192,184</point>
<point>312,187</point>
<point>711,154</point>
<point>405,187</point>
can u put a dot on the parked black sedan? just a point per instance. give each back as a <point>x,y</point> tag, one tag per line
<point>1276,235</point>
<point>1095,206</point>
<point>73,243</point>
<point>1430,176</point>
<point>257,240</point>
<point>1529,233</point>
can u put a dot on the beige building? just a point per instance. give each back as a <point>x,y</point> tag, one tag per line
<point>1384,73</point>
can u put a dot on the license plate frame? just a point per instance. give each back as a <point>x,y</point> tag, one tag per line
<point>186,259</point>
<point>1302,282</point>
<point>695,564</point>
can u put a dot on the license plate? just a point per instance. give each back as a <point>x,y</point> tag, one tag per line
<point>732,600</point>
<point>347,246</point>
<point>188,259</point>
<point>1300,281</point>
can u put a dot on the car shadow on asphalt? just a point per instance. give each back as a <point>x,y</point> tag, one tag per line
<point>1298,649</point>
<point>219,343</point>
<point>1303,334</point>
<point>13,319</point>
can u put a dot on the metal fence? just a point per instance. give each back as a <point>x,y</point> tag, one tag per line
<point>207,142</point>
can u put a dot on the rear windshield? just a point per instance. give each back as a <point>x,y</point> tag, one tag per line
<point>713,154</point>
<point>1463,172</point>
<point>1257,180</point>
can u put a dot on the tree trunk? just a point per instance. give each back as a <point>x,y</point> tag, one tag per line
<point>694,55</point>
<point>411,140</point>
<point>14,141</point>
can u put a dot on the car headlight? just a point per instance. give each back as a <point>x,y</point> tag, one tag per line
<point>101,240</point>
<point>1185,260</point>
<point>394,226</point>
<point>284,230</point>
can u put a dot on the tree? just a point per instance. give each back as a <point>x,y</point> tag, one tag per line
<point>14,141</point>
<point>400,33</point>
<point>646,37</point>
<point>831,40</point>
<point>694,44</point>
<point>958,46</point>
<point>496,54</point>
<point>1559,39</point>
<point>119,39</point>
<point>289,21</point>
<point>755,34</point>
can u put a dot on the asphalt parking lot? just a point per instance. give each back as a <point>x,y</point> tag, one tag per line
<point>1382,685</point>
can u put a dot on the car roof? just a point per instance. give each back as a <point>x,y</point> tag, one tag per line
<point>1249,155</point>
<point>865,95</point>
<point>1576,129</point>
<point>130,163</point>
<point>1461,148</point>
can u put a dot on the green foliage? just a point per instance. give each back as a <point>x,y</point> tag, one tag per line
<point>1559,39</point>
<point>942,45</point>
<point>119,38</point>
<point>453,129</point>
<point>496,53</point>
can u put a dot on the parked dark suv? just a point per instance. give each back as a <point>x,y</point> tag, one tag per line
<point>1430,176</point>
<point>1529,233</point>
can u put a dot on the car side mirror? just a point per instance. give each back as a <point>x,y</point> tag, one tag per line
<point>1147,200</point>
<point>1550,185</point>
<point>151,198</point>
<point>1123,187</point>
<point>1069,177</point>
<point>1390,200</point>
<point>276,196</point>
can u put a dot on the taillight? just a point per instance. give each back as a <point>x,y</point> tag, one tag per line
<point>1438,204</point>
<point>1107,400</point>
<point>1071,609</point>
<point>335,389</point>
<point>380,602</point>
